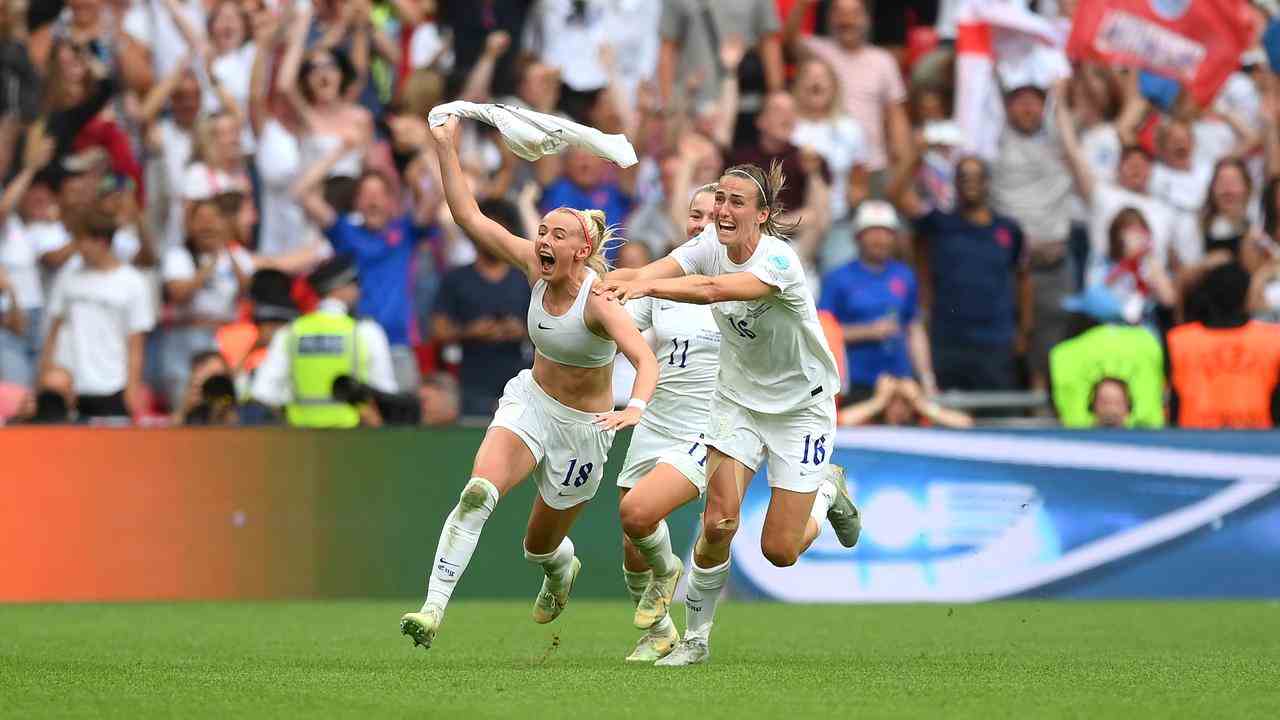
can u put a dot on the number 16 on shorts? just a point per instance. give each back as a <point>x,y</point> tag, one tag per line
<point>819,449</point>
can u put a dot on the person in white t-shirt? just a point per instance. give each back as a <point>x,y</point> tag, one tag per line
<point>99,314</point>
<point>203,281</point>
<point>822,126</point>
<point>217,166</point>
<point>23,199</point>
<point>775,396</point>
<point>151,23</point>
<point>665,465</point>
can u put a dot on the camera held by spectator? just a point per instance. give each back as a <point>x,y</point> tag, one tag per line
<point>376,408</point>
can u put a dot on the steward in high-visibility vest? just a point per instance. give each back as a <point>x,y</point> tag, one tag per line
<point>1225,369</point>
<point>306,358</point>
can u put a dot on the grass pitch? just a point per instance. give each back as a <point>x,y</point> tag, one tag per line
<point>346,659</point>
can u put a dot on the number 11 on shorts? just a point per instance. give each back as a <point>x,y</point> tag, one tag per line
<point>819,449</point>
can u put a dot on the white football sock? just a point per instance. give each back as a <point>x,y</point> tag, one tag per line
<point>822,503</point>
<point>458,540</point>
<point>556,564</point>
<point>701,597</point>
<point>656,549</point>
<point>662,627</point>
<point>636,583</point>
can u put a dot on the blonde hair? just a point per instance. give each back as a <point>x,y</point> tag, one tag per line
<point>202,138</point>
<point>600,236</point>
<point>771,185</point>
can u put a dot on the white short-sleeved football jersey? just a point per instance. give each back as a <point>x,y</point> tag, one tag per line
<point>688,351</point>
<point>773,354</point>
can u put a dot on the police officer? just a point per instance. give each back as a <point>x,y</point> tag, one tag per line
<point>305,358</point>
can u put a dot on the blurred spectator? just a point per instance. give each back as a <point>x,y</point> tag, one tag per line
<point>633,255</point>
<point>777,125</point>
<point>150,25</point>
<point>439,399</point>
<point>217,404</point>
<point>216,166</point>
<point>1132,270</point>
<point>1110,404</point>
<point>1187,153</point>
<point>1173,234</point>
<point>981,307</point>
<point>203,365</point>
<point>203,282</point>
<point>98,314</point>
<point>305,360</point>
<point>170,139</point>
<point>1031,186</point>
<point>321,84</point>
<point>870,79</point>
<point>1224,222</point>
<point>482,308</point>
<point>900,402</point>
<point>471,29</point>
<point>1224,367</point>
<point>53,402</point>
<point>382,240</point>
<point>586,184</point>
<point>824,127</point>
<point>1103,348</point>
<point>20,204</point>
<point>18,74</point>
<point>243,345</point>
<point>875,300</point>
<point>692,32</point>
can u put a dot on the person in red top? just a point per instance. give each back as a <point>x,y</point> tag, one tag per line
<point>1225,368</point>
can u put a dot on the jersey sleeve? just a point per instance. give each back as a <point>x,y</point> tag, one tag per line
<point>780,267</point>
<point>696,256</point>
<point>641,312</point>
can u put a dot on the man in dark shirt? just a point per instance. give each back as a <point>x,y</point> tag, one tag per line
<point>776,123</point>
<point>981,309</point>
<point>482,307</point>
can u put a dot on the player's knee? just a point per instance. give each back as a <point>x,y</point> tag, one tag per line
<point>781,554</point>
<point>478,499</point>
<point>637,520</point>
<point>719,528</point>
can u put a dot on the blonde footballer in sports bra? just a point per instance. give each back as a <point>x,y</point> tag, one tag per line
<point>773,405</point>
<point>554,422</point>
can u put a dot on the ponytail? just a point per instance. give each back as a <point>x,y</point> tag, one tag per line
<point>770,186</point>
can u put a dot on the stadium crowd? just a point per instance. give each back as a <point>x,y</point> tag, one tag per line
<point>175,170</point>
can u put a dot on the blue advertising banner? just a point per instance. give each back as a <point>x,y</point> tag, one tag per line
<point>971,516</point>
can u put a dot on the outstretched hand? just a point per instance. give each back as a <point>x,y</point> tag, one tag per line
<point>619,419</point>
<point>621,290</point>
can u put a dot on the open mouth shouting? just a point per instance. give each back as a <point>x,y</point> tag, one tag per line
<point>546,260</point>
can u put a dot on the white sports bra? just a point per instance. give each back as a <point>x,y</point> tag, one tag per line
<point>566,338</point>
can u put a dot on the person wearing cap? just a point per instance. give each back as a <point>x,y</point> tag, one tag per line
<point>875,300</point>
<point>305,359</point>
<point>1031,185</point>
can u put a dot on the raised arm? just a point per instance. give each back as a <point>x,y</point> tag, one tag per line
<point>900,191</point>
<point>1080,170</point>
<point>155,100</point>
<point>518,252</point>
<point>265,31</point>
<point>793,21</point>
<point>732,50</point>
<point>37,152</point>
<point>291,64</point>
<point>478,87</point>
<point>306,191</point>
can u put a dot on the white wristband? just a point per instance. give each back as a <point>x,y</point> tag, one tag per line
<point>638,403</point>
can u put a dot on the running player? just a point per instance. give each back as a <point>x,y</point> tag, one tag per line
<point>774,397</point>
<point>665,464</point>
<point>553,422</point>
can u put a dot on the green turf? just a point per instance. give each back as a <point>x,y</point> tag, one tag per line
<point>345,659</point>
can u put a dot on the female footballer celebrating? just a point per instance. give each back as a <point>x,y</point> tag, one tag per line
<point>665,464</point>
<point>552,422</point>
<point>773,400</point>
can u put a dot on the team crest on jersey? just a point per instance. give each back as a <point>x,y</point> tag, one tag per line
<point>779,262</point>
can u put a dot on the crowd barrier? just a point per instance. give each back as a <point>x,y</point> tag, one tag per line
<point>93,514</point>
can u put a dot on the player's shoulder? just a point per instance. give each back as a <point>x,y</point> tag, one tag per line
<point>778,255</point>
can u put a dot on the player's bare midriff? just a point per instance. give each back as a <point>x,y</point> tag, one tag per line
<point>585,389</point>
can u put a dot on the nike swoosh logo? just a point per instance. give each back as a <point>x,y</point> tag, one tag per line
<point>442,561</point>
<point>543,327</point>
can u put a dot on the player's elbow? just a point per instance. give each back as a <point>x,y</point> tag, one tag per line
<point>710,291</point>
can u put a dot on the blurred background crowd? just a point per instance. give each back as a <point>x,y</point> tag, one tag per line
<point>187,182</point>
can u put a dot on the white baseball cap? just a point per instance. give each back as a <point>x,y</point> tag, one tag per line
<point>875,214</point>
